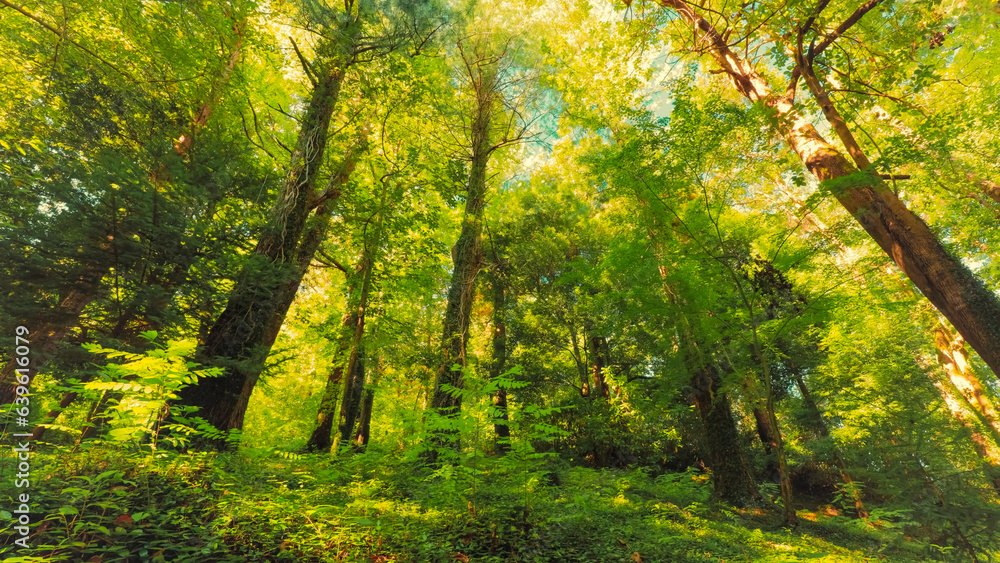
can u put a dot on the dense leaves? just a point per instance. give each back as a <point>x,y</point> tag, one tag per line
<point>548,281</point>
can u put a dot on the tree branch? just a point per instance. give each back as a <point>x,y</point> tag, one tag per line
<point>302,60</point>
<point>847,24</point>
<point>62,36</point>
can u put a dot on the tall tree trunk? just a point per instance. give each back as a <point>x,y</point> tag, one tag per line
<point>968,403</point>
<point>972,308</point>
<point>581,366</point>
<point>238,341</point>
<point>731,474</point>
<point>350,342</point>
<point>354,383</point>
<point>986,448</point>
<point>365,418</point>
<point>467,257</point>
<point>951,354</point>
<point>498,281</point>
<point>367,406</point>
<point>598,361</point>
<point>321,438</point>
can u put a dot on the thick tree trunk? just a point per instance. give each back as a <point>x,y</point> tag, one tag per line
<point>972,308</point>
<point>731,475</point>
<point>238,341</point>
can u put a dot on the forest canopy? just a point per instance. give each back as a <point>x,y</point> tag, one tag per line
<point>549,280</point>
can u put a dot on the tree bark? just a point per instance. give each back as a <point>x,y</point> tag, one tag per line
<point>580,365</point>
<point>238,341</point>
<point>321,438</point>
<point>598,361</point>
<point>367,407</point>
<point>365,418</point>
<point>972,308</point>
<point>498,363</point>
<point>467,261</point>
<point>951,354</point>
<point>731,474</point>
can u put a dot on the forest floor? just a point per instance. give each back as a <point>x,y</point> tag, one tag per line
<point>103,505</point>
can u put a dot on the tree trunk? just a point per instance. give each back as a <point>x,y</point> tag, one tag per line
<point>731,473</point>
<point>967,402</point>
<point>580,364</point>
<point>355,382</point>
<point>321,439</point>
<point>972,308</point>
<point>598,361</point>
<point>467,253</point>
<point>498,363</point>
<point>238,341</point>
<point>951,354</point>
<point>467,258</point>
<point>365,418</point>
<point>367,407</point>
<point>763,430</point>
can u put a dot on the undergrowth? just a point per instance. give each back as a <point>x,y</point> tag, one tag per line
<point>111,505</point>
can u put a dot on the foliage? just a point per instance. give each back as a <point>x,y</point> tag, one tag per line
<point>661,300</point>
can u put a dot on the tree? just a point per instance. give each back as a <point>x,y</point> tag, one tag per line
<point>902,235</point>
<point>242,336</point>
<point>493,121</point>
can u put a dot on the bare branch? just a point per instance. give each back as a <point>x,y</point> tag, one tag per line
<point>62,36</point>
<point>305,65</point>
<point>847,24</point>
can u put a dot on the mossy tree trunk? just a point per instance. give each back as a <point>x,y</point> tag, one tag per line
<point>731,474</point>
<point>241,337</point>
<point>467,254</point>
